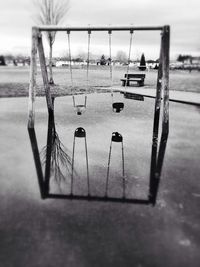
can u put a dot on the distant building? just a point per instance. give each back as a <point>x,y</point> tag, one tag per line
<point>195,60</point>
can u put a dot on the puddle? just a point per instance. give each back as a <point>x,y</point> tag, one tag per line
<point>109,149</point>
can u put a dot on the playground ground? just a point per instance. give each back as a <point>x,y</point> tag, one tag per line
<point>37,232</point>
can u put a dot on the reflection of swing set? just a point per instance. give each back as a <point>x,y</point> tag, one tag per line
<point>80,133</point>
<point>162,98</point>
<point>117,138</point>
<point>80,109</point>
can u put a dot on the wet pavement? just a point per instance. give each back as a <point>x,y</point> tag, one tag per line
<point>190,98</point>
<point>37,232</point>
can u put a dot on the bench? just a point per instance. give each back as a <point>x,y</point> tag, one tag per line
<point>139,78</point>
<point>133,96</point>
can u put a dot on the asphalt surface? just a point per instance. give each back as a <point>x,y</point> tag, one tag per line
<point>189,98</point>
<point>35,232</point>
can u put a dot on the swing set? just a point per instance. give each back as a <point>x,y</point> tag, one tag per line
<point>81,107</point>
<point>161,102</point>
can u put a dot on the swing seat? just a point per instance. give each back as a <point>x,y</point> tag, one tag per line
<point>118,107</point>
<point>80,132</point>
<point>80,109</point>
<point>117,137</point>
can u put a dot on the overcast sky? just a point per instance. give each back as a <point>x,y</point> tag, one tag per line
<point>182,15</point>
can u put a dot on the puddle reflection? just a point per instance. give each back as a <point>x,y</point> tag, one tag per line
<point>74,172</point>
<point>79,108</point>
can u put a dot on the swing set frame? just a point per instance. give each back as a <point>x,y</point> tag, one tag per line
<point>161,101</point>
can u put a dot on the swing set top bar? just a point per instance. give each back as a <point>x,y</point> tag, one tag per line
<point>99,28</point>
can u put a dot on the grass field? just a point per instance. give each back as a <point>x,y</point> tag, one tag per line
<point>15,80</point>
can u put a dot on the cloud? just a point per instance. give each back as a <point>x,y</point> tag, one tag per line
<point>183,16</point>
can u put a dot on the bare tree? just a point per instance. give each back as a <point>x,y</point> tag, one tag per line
<point>50,12</point>
<point>121,56</point>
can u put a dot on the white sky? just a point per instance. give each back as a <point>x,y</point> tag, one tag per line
<point>182,15</point>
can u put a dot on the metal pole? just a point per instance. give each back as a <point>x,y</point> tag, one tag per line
<point>166,40</point>
<point>108,169</point>
<point>123,174</point>
<point>44,73</point>
<point>38,165</point>
<point>32,85</point>
<point>156,171</point>
<point>156,122</point>
<point>87,166</point>
<point>72,177</point>
<point>165,122</point>
<point>50,136</point>
<point>99,28</point>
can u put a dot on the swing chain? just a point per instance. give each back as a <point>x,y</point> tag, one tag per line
<point>70,58</point>
<point>80,133</point>
<point>129,55</point>
<point>116,137</point>
<point>110,56</point>
<point>79,108</point>
<point>88,58</point>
